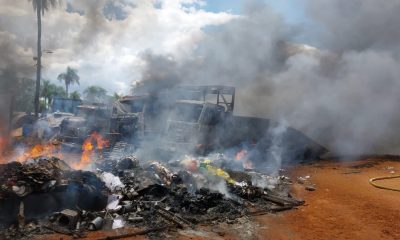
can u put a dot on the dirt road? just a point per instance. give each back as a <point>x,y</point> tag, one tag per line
<point>344,205</point>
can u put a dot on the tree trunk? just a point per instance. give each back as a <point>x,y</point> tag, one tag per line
<point>39,55</point>
<point>66,88</point>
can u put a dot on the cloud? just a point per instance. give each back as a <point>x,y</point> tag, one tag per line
<point>107,49</point>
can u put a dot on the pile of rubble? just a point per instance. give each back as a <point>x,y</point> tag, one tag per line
<point>45,195</point>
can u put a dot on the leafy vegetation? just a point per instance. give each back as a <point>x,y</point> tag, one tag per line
<point>75,95</point>
<point>95,94</point>
<point>49,91</point>
<point>69,77</point>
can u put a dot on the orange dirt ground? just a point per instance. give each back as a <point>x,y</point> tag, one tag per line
<point>343,206</point>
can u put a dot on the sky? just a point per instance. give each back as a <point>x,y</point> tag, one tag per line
<point>104,40</point>
<point>292,10</point>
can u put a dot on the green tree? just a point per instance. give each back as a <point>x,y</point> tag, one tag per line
<point>40,6</point>
<point>75,95</point>
<point>95,94</point>
<point>69,77</point>
<point>59,92</point>
<point>49,91</point>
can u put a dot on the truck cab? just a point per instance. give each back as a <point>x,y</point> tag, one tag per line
<point>127,117</point>
<point>192,122</point>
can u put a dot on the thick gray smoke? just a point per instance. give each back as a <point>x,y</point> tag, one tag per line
<point>15,62</point>
<point>344,95</point>
<point>356,25</point>
<point>95,23</point>
<point>15,65</point>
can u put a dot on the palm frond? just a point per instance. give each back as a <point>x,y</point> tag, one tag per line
<point>61,77</point>
<point>45,4</point>
<point>73,74</point>
<point>34,4</point>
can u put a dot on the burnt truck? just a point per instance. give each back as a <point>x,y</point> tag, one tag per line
<point>88,118</point>
<point>196,119</point>
<point>200,120</point>
<point>127,117</point>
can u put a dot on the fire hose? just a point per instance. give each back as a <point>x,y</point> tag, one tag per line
<point>372,181</point>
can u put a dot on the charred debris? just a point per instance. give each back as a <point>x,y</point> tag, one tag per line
<point>45,195</point>
<point>211,166</point>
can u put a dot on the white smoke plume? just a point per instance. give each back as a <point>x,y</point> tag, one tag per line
<point>344,94</point>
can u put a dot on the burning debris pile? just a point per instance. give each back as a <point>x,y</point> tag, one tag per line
<point>204,173</point>
<point>44,195</point>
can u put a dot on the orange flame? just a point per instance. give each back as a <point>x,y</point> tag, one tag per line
<point>100,141</point>
<point>241,154</point>
<point>88,149</point>
<point>39,150</point>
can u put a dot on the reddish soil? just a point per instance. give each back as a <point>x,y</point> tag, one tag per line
<point>343,206</point>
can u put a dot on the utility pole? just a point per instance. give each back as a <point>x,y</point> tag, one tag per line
<point>39,56</point>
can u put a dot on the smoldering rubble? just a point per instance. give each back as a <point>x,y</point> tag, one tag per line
<point>128,192</point>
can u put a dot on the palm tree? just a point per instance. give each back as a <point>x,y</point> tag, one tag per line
<point>95,94</point>
<point>69,77</point>
<point>75,95</point>
<point>40,6</point>
<point>49,91</point>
